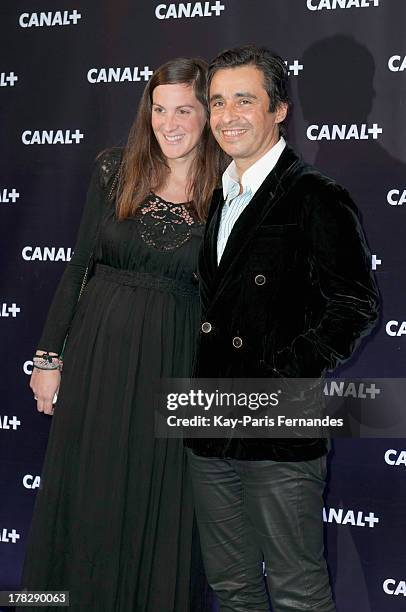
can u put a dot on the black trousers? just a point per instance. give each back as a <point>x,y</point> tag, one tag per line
<point>250,512</point>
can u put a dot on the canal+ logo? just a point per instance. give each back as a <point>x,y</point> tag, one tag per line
<point>8,79</point>
<point>397,63</point>
<point>8,196</point>
<point>51,137</point>
<point>31,482</point>
<point>396,197</point>
<point>357,390</point>
<point>49,19</point>
<point>294,67</point>
<point>356,518</point>
<point>9,310</point>
<point>37,253</point>
<point>394,587</point>
<point>395,328</point>
<point>332,5</point>
<point>28,367</point>
<point>119,75</point>
<point>394,457</point>
<point>344,132</point>
<point>8,422</point>
<point>9,536</point>
<point>189,10</point>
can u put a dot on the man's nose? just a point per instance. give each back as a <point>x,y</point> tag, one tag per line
<point>229,113</point>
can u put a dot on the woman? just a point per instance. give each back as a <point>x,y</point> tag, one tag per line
<point>113,521</point>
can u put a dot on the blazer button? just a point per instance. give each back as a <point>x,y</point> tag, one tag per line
<point>206,327</point>
<point>237,342</point>
<point>260,279</point>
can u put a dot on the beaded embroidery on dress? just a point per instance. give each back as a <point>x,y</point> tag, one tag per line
<point>164,225</point>
<point>109,166</point>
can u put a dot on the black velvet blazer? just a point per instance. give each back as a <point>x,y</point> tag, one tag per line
<point>292,297</point>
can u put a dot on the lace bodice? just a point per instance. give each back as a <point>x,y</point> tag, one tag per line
<point>165,225</point>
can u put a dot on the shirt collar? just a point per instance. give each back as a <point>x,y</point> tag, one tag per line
<point>255,175</point>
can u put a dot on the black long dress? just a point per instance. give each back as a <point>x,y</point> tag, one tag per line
<point>114,520</point>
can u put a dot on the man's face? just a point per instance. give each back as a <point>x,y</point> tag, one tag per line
<point>239,114</point>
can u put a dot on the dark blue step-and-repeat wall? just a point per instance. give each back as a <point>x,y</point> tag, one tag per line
<point>71,75</point>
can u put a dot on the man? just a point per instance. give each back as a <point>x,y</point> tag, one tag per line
<point>286,291</point>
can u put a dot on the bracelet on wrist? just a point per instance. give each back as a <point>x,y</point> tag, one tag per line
<point>47,362</point>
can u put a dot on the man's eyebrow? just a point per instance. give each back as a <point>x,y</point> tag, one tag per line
<point>245,94</point>
<point>216,97</point>
<point>238,94</point>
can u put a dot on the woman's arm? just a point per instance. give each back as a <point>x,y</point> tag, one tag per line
<point>66,296</point>
<point>45,383</point>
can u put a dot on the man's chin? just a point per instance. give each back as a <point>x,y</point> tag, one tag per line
<point>233,149</point>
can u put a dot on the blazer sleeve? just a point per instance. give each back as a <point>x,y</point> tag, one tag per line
<point>341,266</point>
<point>63,306</point>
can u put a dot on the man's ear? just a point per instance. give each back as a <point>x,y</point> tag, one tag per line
<point>281,112</point>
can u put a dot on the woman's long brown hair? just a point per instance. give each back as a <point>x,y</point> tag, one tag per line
<point>144,167</point>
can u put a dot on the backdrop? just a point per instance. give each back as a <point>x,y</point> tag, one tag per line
<point>71,75</point>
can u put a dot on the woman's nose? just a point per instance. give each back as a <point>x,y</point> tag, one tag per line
<point>170,122</point>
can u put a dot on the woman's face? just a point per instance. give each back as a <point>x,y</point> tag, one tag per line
<point>177,119</point>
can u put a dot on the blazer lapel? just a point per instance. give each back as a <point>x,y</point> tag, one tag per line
<point>213,232</point>
<point>208,252</point>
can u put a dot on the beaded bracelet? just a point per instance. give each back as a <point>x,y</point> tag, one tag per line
<point>47,362</point>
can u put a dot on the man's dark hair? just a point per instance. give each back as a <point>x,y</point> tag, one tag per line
<point>272,67</point>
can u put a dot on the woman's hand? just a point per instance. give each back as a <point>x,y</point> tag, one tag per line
<point>45,383</point>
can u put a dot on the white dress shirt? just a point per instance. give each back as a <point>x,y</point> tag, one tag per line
<point>234,201</point>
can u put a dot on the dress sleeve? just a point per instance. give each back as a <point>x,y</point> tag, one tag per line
<point>64,302</point>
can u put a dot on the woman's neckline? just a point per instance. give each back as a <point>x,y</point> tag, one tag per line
<point>188,204</point>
